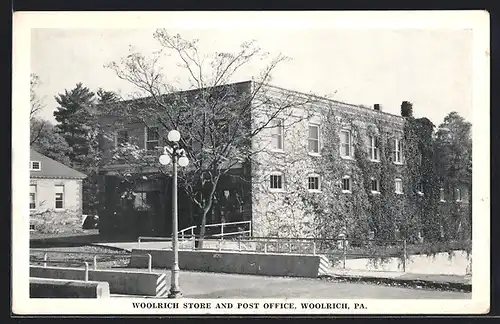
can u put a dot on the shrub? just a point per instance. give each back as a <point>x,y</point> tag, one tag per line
<point>55,222</point>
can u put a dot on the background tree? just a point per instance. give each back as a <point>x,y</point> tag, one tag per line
<point>49,142</point>
<point>217,122</point>
<point>77,118</point>
<point>453,154</point>
<point>74,116</point>
<point>36,124</point>
<point>44,136</point>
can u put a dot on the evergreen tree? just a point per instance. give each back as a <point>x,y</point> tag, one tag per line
<point>75,121</point>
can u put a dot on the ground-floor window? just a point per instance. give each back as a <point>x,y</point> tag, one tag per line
<point>313,182</point>
<point>398,184</point>
<point>59,198</point>
<point>276,181</point>
<point>346,184</point>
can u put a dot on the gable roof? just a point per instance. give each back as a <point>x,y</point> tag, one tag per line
<point>52,169</point>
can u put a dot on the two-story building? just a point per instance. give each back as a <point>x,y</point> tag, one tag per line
<point>313,163</point>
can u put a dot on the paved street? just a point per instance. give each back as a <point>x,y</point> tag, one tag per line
<point>217,285</point>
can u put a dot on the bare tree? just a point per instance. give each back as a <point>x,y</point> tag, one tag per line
<point>217,120</point>
<point>36,105</point>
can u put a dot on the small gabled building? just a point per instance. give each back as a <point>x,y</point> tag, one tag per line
<point>54,186</point>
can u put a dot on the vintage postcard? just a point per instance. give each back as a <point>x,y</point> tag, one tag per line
<point>251,163</point>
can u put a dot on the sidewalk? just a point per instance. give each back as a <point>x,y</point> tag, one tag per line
<point>389,278</point>
<point>434,281</point>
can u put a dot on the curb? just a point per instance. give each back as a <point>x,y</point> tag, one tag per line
<point>111,247</point>
<point>409,283</point>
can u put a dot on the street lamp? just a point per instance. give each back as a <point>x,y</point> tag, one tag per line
<point>173,153</point>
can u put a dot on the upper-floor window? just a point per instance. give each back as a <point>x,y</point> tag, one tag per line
<point>375,185</point>
<point>397,153</point>
<point>458,194</point>
<point>59,198</point>
<point>313,182</point>
<point>277,134</point>
<point>374,148</point>
<point>32,196</point>
<point>346,184</point>
<point>313,140</point>
<point>346,149</point>
<point>152,138</point>
<point>276,181</point>
<point>398,186</point>
<point>35,166</point>
<point>121,137</point>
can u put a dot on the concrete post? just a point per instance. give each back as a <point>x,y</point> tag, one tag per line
<point>344,248</point>
<point>150,262</point>
<point>45,260</point>
<point>404,255</point>
<point>86,271</point>
<point>95,262</point>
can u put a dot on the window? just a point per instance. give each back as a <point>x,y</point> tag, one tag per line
<point>345,144</point>
<point>35,165</point>
<point>396,151</point>
<point>152,138</point>
<point>346,184</point>
<point>313,142</point>
<point>313,182</point>
<point>32,196</point>
<point>458,194</point>
<point>276,181</point>
<point>277,137</point>
<point>374,148</point>
<point>441,195</point>
<point>375,185</point>
<point>398,184</point>
<point>59,190</point>
<point>121,137</point>
<point>140,201</point>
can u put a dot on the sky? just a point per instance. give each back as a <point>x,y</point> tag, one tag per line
<point>432,68</point>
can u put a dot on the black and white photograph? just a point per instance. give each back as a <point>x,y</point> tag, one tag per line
<point>251,162</point>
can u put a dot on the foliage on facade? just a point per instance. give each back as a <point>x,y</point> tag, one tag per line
<point>372,207</point>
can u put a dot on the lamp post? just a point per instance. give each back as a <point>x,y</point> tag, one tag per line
<point>173,153</point>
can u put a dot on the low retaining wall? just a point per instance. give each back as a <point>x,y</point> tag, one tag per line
<point>441,263</point>
<point>234,262</point>
<point>120,282</point>
<point>60,288</point>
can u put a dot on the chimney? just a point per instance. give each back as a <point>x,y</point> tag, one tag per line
<point>406,109</point>
<point>376,107</point>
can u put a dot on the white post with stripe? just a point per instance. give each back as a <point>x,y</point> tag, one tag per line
<point>162,286</point>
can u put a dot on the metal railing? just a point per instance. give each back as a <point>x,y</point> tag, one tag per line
<point>221,232</point>
<point>338,251</point>
<point>183,231</point>
<point>86,265</point>
<point>94,258</point>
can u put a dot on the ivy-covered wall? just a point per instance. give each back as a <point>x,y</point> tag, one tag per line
<point>368,210</point>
